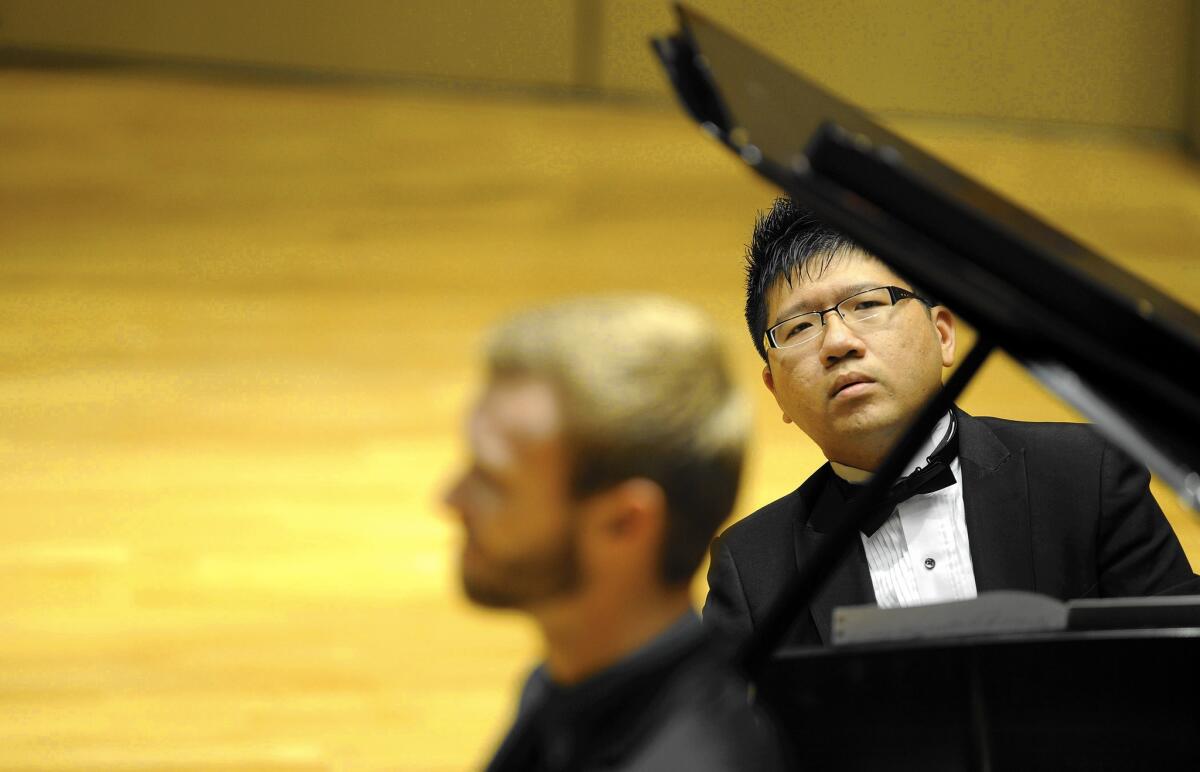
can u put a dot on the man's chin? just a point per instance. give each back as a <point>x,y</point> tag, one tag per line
<point>488,597</point>
<point>483,590</point>
<point>517,584</point>
<point>495,593</point>
<point>861,420</point>
<point>867,430</point>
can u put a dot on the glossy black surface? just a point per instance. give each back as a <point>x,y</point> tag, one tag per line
<point>1095,700</point>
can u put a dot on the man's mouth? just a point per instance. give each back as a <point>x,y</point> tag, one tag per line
<point>849,384</point>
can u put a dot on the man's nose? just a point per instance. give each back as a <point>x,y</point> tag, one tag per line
<point>837,340</point>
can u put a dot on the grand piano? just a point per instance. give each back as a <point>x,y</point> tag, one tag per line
<point>1118,687</point>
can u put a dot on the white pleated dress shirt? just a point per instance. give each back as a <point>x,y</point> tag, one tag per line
<point>921,553</point>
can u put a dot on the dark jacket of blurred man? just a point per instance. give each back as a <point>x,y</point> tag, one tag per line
<point>852,352</point>
<point>605,451</point>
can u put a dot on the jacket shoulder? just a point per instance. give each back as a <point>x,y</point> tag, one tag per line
<point>778,517</point>
<point>710,724</point>
<point>773,517</point>
<point>1045,436</point>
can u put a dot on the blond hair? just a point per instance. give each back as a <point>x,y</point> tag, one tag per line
<point>644,392</point>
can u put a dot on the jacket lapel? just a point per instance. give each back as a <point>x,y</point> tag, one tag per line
<point>850,582</point>
<point>996,500</point>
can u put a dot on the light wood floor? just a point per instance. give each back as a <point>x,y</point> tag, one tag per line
<point>238,328</point>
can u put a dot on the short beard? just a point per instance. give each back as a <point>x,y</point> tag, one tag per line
<point>527,581</point>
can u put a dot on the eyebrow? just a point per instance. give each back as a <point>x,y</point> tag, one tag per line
<point>801,307</point>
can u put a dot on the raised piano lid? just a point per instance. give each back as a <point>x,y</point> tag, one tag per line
<point>1121,351</point>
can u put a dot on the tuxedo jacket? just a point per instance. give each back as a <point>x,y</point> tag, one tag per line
<point>1050,508</point>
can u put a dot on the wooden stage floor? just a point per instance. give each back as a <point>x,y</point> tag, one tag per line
<point>239,326</point>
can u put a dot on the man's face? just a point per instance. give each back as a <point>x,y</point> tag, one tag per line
<point>853,392</point>
<point>513,500</point>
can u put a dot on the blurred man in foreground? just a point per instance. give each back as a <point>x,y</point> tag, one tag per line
<point>604,452</point>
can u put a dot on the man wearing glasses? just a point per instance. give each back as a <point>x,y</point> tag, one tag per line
<point>852,352</point>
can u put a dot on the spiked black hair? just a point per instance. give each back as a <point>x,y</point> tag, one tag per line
<point>788,242</point>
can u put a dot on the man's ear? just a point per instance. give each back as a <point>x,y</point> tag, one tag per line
<point>943,323</point>
<point>632,510</point>
<point>623,528</point>
<point>769,381</point>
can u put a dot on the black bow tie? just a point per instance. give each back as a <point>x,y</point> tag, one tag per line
<point>934,476</point>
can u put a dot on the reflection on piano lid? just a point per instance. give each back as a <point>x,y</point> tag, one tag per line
<point>1011,613</point>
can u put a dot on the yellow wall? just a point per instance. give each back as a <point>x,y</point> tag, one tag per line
<point>1118,63</point>
<point>1122,63</point>
<point>1193,68</point>
<point>529,42</point>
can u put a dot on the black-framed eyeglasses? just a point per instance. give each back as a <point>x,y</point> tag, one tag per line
<point>861,312</point>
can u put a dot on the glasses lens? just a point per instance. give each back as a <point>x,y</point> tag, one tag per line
<point>797,330</point>
<point>870,307</point>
